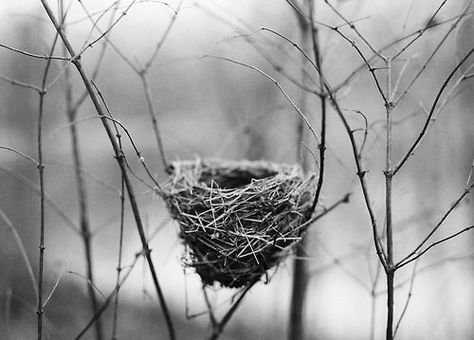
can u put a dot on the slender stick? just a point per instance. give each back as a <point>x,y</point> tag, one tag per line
<point>40,166</point>
<point>219,327</point>
<point>21,249</point>
<point>393,43</point>
<point>119,265</point>
<point>109,298</point>
<point>122,164</point>
<point>52,206</point>
<point>407,301</point>
<point>373,301</point>
<point>32,55</point>
<point>154,122</point>
<point>120,255</point>
<point>428,120</point>
<point>390,270</point>
<point>434,244</point>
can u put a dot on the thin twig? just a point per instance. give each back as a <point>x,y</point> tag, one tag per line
<point>434,244</point>
<point>52,205</point>
<point>18,152</point>
<point>80,100</point>
<point>285,94</point>
<point>55,286</point>
<point>217,331</point>
<point>33,55</point>
<point>212,317</point>
<point>154,122</point>
<point>421,32</point>
<point>437,226</point>
<point>432,55</point>
<point>116,123</point>
<point>109,298</point>
<point>19,83</point>
<point>160,43</point>
<point>120,254</point>
<point>103,34</point>
<point>353,27</point>
<point>396,41</point>
<point>21,249</point>
<point>407,301</point>
<point>423,131</point>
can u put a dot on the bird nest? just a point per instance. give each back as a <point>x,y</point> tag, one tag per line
<point>237,219</point>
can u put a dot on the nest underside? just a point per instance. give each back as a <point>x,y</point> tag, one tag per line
<point>237,219</point>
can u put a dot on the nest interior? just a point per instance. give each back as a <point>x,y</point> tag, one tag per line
<point>237,219</point>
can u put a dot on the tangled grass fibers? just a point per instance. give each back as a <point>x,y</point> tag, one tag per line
<point>237,219</point>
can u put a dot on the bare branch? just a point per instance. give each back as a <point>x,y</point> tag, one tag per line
<point>21,249</point>
<point>30,185</point>
<point>423,131</point>
<point>433,53</point>
<point>402,264</point>
<point>407,301</point>
<point>456,203</point>
<point>422,31</point>
<point>266,75</point>
<point>32,55</point>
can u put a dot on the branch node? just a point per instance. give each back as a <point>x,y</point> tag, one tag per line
<point>86,234</point>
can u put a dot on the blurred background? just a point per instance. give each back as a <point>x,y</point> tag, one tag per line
<point>214,108</point>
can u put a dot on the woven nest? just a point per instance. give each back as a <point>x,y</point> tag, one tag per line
<point>237,219</point>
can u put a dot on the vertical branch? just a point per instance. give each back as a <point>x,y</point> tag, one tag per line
<point>373,302</point>
<point>390,270</point>
<point>122,164</point>
<point>154,122</point>
<point>122,221</point>
<point>40,167</point>
<point>407,301</point>
<point>323,101</point>
<point>143,76</point>
<point>119,265</point>
<point>71,111</point>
